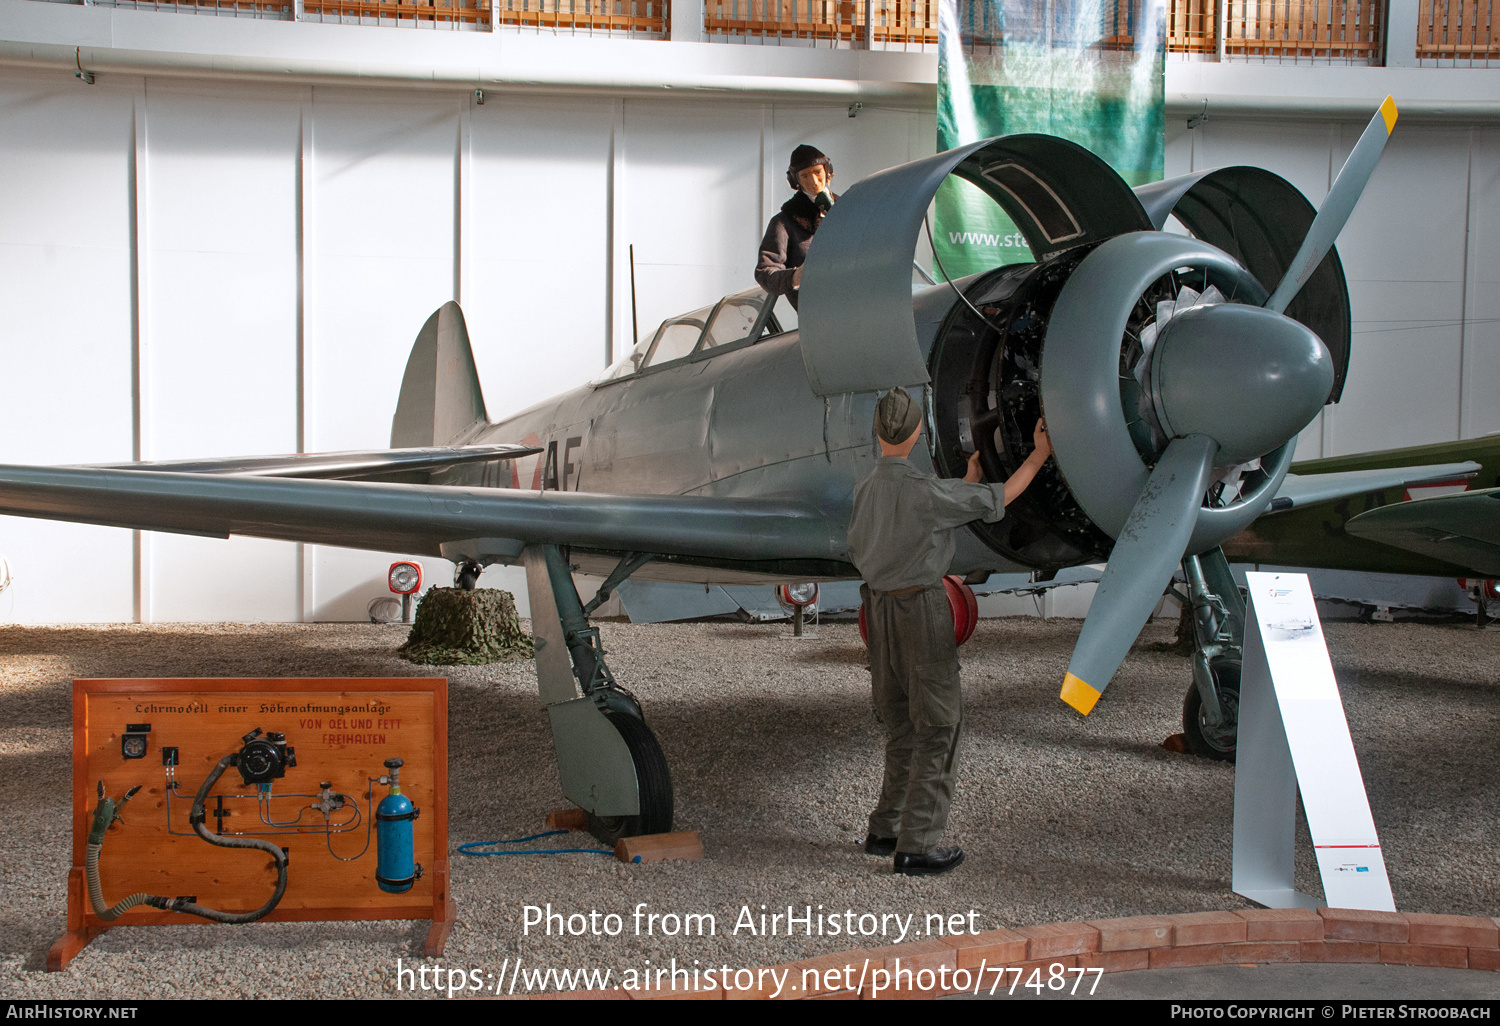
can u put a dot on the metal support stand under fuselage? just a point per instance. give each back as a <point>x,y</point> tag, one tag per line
<point>609,762</point>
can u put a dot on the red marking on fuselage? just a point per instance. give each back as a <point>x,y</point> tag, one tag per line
<point>536,475</point>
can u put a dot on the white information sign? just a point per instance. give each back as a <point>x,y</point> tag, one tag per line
<point>1293,735</point>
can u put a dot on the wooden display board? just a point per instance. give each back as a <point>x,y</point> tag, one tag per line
<point>341,729</point>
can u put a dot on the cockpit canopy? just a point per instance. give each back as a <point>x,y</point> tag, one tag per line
<point>744,317</point>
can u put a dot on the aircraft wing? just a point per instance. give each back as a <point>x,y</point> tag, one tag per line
<point>1299,490</point>
<point>422,518</point>
<point>1463,529</point>
<point>354,463</point>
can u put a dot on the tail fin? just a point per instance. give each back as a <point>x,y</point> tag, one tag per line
<point>440,397</point>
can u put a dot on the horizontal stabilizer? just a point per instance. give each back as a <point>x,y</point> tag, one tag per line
<point>353,464</point>
<point>1300,490</point>
<point>1461,529</point>
<point>421,518</point>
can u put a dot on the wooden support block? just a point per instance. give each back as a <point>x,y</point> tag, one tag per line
<point>567,819</point>
<point>66,947</point>
<point>659,847</point>
<point>437,933</point>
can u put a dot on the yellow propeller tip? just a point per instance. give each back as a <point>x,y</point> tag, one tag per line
<point>1388,111</point>
<point>1079,695</point>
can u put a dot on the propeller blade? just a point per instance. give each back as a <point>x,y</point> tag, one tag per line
<point>1148,550</point>
<point>1337,207</point>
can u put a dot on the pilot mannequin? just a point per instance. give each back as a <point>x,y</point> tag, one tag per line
<point>901,541</point>
<point>784,247</point>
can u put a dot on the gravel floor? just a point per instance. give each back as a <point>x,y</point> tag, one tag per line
<point>775,756</point>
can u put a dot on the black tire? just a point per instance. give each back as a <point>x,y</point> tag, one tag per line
<point>653,777</point>
<point>1216,744</point>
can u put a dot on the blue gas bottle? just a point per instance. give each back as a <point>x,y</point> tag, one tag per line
<point>396,868</point>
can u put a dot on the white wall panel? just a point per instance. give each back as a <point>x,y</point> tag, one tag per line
<point>536,247</point>
<point>65,329</point>
<point>1297,151</point>
<point>380,237</point>
<point>689,203</point>
<point>1481,394</point>
<point>1180,151</point>
<point>380,240</point>
<point>220,351</point>
<point>1403,253</point>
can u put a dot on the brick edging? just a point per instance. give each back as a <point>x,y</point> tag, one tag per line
<point>1259,936</point>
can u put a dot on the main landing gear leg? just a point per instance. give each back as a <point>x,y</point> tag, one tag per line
<point>610,763</point>
<point>1211,709</point>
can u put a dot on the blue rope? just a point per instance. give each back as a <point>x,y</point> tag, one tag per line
<point>463,849</point>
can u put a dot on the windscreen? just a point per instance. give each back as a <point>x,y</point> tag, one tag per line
<point>735,318</point>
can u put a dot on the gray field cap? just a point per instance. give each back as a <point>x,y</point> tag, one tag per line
<point>897,415</point>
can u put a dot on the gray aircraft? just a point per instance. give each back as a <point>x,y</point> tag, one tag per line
<point>1175,372</point>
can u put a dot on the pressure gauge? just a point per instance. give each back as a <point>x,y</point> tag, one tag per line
<point>133,741</point>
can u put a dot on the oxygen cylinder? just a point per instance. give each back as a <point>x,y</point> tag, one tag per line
<point>396,869</point>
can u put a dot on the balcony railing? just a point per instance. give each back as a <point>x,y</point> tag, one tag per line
<point>1341,30</point>
<point>614,17</point>
<point>1192,26</point>
<point>445,13</point>
<point>899,22</point>
<point>1448,32</point>
<point>1458,31</point>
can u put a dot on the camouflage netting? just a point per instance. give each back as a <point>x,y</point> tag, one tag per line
<point>454,627</point>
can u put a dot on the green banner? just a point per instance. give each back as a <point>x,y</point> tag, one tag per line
<point>1090,71</point>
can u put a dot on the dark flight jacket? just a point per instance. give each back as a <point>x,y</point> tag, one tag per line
<point>784,247</point>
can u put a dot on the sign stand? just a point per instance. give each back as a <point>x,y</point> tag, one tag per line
<point>1293,734</point>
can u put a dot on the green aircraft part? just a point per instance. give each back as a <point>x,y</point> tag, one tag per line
<point>1317,536</point>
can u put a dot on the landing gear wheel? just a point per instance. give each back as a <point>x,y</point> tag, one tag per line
<point>468,575</point>
<point>653,778</point>
<point>1214,742</point>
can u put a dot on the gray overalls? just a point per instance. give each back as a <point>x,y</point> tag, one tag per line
<point>901,541</point>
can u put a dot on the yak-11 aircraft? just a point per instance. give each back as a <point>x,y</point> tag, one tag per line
<point>1175,372</point>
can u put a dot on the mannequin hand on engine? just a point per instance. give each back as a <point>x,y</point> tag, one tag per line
<point>1042,448</point>
<point>976,473</point>
<point>1042,442</point>
<point>1018,482</point>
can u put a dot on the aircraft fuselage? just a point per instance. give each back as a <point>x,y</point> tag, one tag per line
<point>740,421</point>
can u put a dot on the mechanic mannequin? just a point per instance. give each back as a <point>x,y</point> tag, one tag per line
<point>791,231</point>
<point>901,541</point>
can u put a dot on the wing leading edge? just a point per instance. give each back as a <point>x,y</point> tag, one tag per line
<point>421,518</point>
<point>1299,490</point>
<point>350,464</point>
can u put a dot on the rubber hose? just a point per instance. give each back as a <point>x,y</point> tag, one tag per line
<point>196,818</point>
<point>96,892</point>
